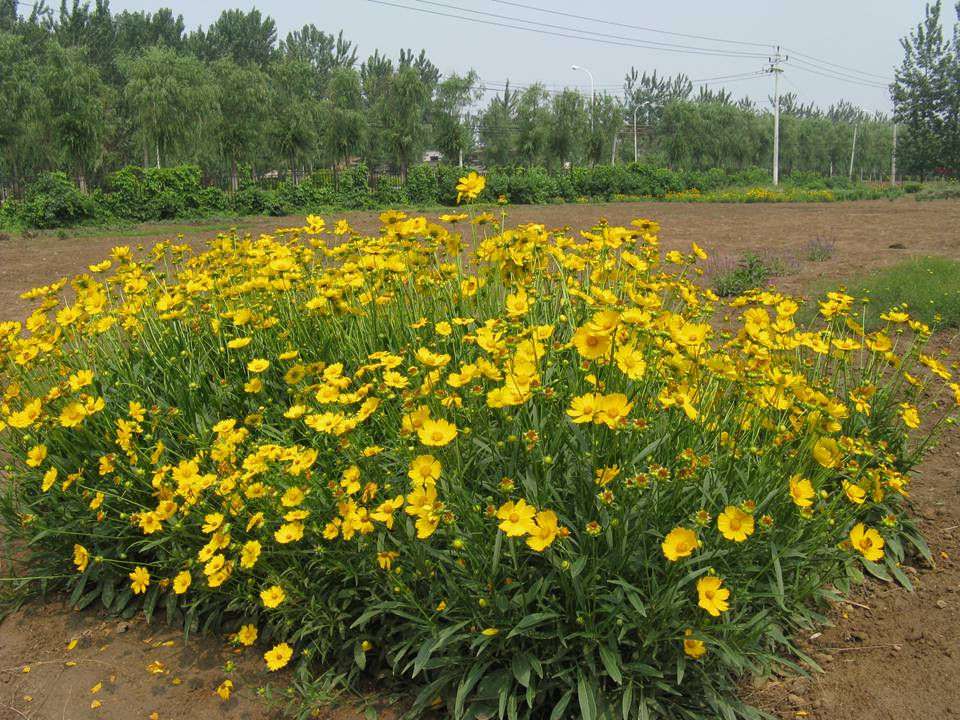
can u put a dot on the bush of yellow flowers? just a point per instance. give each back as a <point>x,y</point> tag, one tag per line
<point>528,473</point>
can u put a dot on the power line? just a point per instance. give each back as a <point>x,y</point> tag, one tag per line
<point>633,27</point>
<point>836,65</point>
<point>570,35</point>
<point>805,67</point>
<point>657,44</point>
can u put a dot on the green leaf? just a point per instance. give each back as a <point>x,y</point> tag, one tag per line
<point>611,662</point>
<point>359,656</point>
<point>466,685</point>
<point>108,593</point>
<point>560,709</point>
<point>531,621</point>
<point>521,669</point>
<point>587,698</point>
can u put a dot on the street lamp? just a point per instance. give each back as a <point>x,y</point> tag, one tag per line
<point>592,94</point>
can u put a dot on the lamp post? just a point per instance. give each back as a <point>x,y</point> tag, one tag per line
<point>592,92</point>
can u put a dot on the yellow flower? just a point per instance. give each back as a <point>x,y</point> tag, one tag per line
<point>49,478</point>
<point>826,451</point>
<point>909,415</point>
<point>289,532</point>
<point>272,596</point>
<point>424,468</point>
<point>182,582</point>
<point>544,532</point>
<point>437,433</point>
<point>249,554</point>
<point>258,365</point>
<point>802,492</point>
<point>613,410</point>
<point>734,524</point>
<point>693,648</point>
<point>80,557</point>
<point>72,415</point>
<point>679,543</point>
<point>278,656</point>
<point>867,542</point>
<point>223,690</point>
<point>590,343</point>
<point>713,598</point>
<point>36,456</point>
<point>584,408</point>
<point>139,580</point>
<point>247,635</point>
<point>516,519</point>
<point>470,186</point>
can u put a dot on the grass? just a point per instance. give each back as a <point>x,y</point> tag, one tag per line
<point>928,286</point>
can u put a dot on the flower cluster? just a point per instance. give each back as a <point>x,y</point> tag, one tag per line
<point>456,458</point>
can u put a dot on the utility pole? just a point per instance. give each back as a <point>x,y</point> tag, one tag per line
<point>592,91</point>
<point>853,150</point>
<point>636,157</point>
<point>775,69</point>
<point>893,159</point>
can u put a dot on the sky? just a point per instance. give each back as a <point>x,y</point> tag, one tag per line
<point>818,36</point>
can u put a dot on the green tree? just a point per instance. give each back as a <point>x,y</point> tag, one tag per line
<point>449,118</point>
<point>497,130</point>
<point>244,94</point>
<point>74,112</point>
<point>293,131</point>
<point>406,105</point>
<point>170,96</point>
<point>19,97</point>
<point>246,37</point>
<point>569,125</point>
<point>921,95</point>
<point>532,125</point>
<point>344,123</point>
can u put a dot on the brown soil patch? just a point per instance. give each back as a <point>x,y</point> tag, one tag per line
<point>891,654</point>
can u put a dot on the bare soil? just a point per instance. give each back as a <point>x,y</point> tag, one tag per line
<point>889,654</point>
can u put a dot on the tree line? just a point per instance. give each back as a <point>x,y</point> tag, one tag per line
<point>87,91</point>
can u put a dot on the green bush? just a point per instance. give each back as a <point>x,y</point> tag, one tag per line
<point>422,187</point>
<point>947,191</point>
<point>751,272</point>
<point>929,287</point>
<point>54,200</point>
<point>353,188</point>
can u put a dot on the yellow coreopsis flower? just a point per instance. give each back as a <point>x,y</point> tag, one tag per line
<point>272,596</point>
<point>437,433</point>
<point>139,580</point>
<point>249,554</point>
<point>545,531</point>
<point>81,557</point>
<point>713,597</point>
<point>516,519</point>
<point>679,543</point>
<point>258,365</point>
<point>182,582</point>
<point>223,690</point>
<point>247,635</point>
<point>801,491</point>
<point>734,524</point>
<point>470,186</point>
<point>867,541</point>
<point>36,456</point>
<point>278,656</point>
<point>692,647</point>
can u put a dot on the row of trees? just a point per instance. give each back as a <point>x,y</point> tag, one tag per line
<point>87,90</point>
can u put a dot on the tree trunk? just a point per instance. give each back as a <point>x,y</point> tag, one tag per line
<point>234,180</point>
<point>146,155</point>
<point>158,154</point>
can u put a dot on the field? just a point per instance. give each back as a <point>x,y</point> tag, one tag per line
<point>890,654</point>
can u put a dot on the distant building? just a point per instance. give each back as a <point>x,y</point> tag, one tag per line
<point>432,156</point>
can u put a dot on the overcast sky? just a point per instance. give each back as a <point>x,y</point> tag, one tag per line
<point>862,35</point>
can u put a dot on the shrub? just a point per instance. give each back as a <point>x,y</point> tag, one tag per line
<point>353,189</point>
<point>940,191</point>
<point>53,200</point>
<point>136,193</point>
<point>912,186</point>
<point>533,484</point>
<point>421,187</point>
<point>819,249</point>
<point>749,273</point>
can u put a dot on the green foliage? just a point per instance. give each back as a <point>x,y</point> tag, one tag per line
<point>939,191</point>
<point>751,272</point>
<point>422,186</point>
<point>928,287</point>
<point>55,201</point>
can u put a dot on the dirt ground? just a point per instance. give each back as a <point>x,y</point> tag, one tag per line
<point>889,654</point>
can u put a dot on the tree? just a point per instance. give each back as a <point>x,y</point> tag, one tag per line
<point>19,96</point>
<point>923,101</point>
<point>569,125</point>
<point>406,105</point>
<point>344,124</point>
<point>169,95</point>
<point>74,112</point>
<point>246,37</point>
<point>324,52</point>
<point>452,133</point>
<point>532,125</point>
<point>244,93</point>
<point>497,131</point>
<point>293,131</point>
